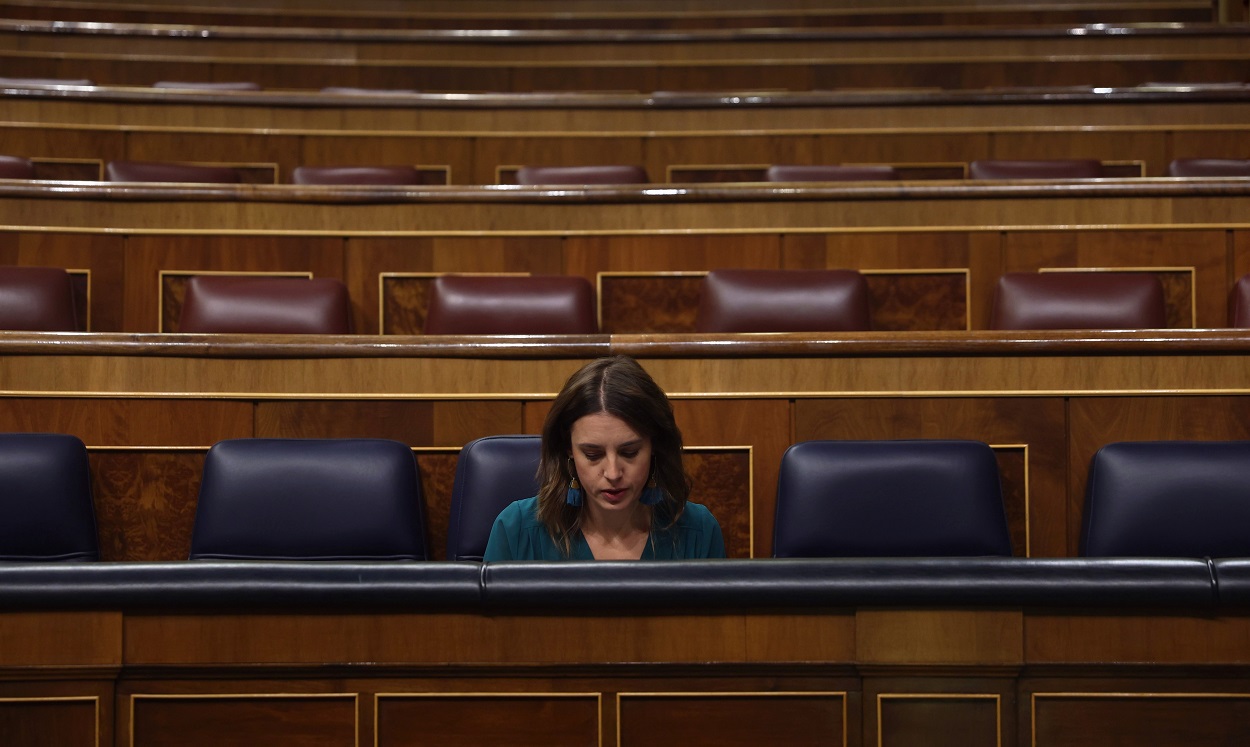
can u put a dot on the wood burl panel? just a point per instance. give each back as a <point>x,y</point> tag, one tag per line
<point>721,481</point>
<point>649,303</point>
<point>145,502</point>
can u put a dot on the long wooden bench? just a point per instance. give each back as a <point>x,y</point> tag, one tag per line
<point>640,15</point>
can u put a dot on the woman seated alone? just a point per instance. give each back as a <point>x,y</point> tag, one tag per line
<point>611,481</point>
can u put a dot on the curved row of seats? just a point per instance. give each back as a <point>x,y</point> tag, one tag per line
<point>361,499</point>
<point>16,167</point>
<point>731,301</point>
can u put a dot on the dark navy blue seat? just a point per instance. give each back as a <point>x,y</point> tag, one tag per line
<point>46,510</point>
<point>890,498</point>
<point>309,499</point>
<point>1188,499</point>
<point>490,473</point>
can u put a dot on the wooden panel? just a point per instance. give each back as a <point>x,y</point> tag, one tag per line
<point>1125,146</point>
<point>939,720</point>
<point>278,720</point>
<point>939,637</point>
<point>145,502</point>
<point>761,424</point>
<point>637,303</point>
<point>50,722</point>
<point>1146,719</point>
<point>903,300</point>
<point>1098,421</point>
<point>722,480</point>
<point>1160,638</point>
<point>99,256</point>
<point>122,421</point>
<point>60,639</point>
<point>733,718</point>
<point>445,160</point>
<point>147,255</point>
<point>1173,253</point>
<point>492,153</point>
<point>657,253</point>
<point>1030,435</point>
<point>531,720</point>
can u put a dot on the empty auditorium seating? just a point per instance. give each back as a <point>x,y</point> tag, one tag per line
<point>382,175</point>
<point>511,305</point>
<point>235,85</point>
<point>16,167</point>
<point>821,173</point>
<point>265,305</point>
<point>783,301</point>
<point>1209,167</point>
<point>1169,499</point>
<point>147,171</point>
<point>607,174</point>
<point>46,511</point>
<point>1035,169</point>
<point>1078,300</point>
<point>889,498</point>
<point>309,499</point>
<point>490,473</point>
<point>37,299</point>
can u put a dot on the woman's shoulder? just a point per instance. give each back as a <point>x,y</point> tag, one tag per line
<point>522,513</point>
<point>696,515</point>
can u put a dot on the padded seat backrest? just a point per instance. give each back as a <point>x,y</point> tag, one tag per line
<point>889,498</point>
<point>46,509</point>
<point>511,305</point>
<point>1168,499</point>
<point>146,171</point>
<point>309,499</point>
<point>16,167</point>
<point>233,85</point>
<point>38,299</point>
<point>822,173</point>
<point>1239,303</point>
<point>266,305</point>
<point>1209,167</point>
<point>607,174</point>
<point>1078,300</point>
<point>783,301</point>
<point>10,81</point>
<point>1045,169</point>
<point>490,473</point>
<point>389,175</point>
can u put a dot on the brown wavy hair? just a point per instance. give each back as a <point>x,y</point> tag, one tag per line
<point>617,386</point>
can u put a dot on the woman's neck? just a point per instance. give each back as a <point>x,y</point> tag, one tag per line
<point>617,536</point>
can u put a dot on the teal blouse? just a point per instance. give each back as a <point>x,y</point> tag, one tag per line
<point>518,535</point>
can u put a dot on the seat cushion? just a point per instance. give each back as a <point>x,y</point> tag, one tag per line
<point>37,299</point>
<point>1209,167</point>
<point>783,301</point>
<point>1054,169</point>
<point>491,473</point>
<point>1078,300</point>
<point>819,173</point>
<point>16,167</point>
<point>608,174</point>
<point>392,175</point>
<point>265,305</point>
<point>505,305</point>
<point>46,510</point>
<point>143,171</point>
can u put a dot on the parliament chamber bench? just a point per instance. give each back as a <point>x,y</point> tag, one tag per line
<point>481,139</point>
<point>640,15</point>
<point>930,252</point>
<point>860,651</point>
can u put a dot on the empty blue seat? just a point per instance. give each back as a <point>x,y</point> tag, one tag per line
<point>1186,499</point>
<point>915,498</point>
<point>490,473</point>
<point>46,510</point>
<point>309,499</point>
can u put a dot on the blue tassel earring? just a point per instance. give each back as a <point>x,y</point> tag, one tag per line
<point>652,494</point>
<point>575,494</point>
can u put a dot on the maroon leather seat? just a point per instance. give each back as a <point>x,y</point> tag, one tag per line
<point>356,91</point>
<point>266,305</point>
<point>1053,169</point>
<point>536,175</point>
<point>45,82</point>
<point>783,301</point>
<point>16,167</point>
<point>233,85</point>
<point>1239,303</point>
<point>148,171</point>
<point>824,173</point>
<point>1209,167</point>
<point>506,305</point>
<point>37,299</point>
<point>1078,300</point>
<point>392,175</point>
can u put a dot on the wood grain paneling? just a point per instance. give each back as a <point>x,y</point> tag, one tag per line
<point>145,501</point>
<point>279,720</point>
<point>123,421</point>
<point>1174,637</point>
<point>1146,719</point>
<point>733,718</point>
<point>939,720</point>
<point>722,482</point>
<point>61,639</point>
<point>97,260</point>
<point>50,722</point>
<point>939,637</point>
<point>531,720</point>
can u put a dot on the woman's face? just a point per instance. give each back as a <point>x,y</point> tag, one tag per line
<point>613,461</point>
